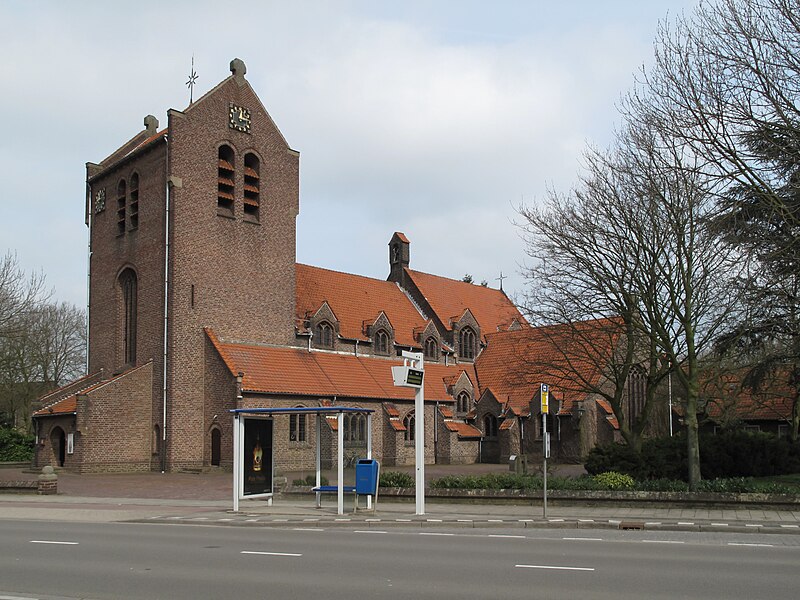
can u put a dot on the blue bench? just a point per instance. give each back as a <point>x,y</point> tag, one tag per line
<point>334,489</point>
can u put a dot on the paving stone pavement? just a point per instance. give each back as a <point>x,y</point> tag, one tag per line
<point>206,499</point>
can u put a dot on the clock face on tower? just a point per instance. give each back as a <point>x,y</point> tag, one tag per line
<point>239,118</point>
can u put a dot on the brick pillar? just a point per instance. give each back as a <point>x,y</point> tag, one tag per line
<point>48,481</point>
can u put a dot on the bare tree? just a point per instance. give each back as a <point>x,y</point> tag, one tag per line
<point>726,84</point>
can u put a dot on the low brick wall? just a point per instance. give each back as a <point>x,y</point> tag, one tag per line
<point>45,484</point>
<point>588,498</point>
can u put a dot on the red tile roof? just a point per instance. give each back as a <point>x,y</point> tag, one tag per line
<point>507,424</point>
<point>450,299</point>
<point>728,399</point>
<point>446,411</point>
<point>515,363</point>
<point>464,430</point>
<point>355,300</point>
<point>296,371</point>
<point>66,406</point>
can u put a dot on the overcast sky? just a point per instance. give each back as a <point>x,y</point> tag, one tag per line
<point>432,118</point>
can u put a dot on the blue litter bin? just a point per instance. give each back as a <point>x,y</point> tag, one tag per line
<point>367,476</point>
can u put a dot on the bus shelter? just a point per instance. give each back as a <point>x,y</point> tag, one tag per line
<point>253,456</point>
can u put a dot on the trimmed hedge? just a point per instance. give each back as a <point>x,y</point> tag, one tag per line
<point>726,455</point>
<point>15,446</point>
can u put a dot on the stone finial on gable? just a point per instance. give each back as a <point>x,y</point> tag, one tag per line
<point>151,125</point>
<point>238,69</point>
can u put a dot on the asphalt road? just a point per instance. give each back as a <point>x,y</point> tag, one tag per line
<point>116,560</point>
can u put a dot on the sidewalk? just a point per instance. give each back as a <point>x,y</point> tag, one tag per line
<point>207,498</point>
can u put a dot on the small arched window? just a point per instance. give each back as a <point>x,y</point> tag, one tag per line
<point>122,193</point>
<point>409,423</point>
<point>355,428</point>
<point>128,287</point>
<point>323,334</point>
<point>462,403</point>
<point>297,427</point>
<point>490,425</point>
<point>225,179</point>
<point>466,343</point>
<point>431,349</point>
<point>251,186</point>
<point>381,342</point>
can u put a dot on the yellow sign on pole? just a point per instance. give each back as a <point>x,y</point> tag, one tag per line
<point>545,394</point>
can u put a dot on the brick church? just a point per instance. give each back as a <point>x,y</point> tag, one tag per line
<point>198,306</point>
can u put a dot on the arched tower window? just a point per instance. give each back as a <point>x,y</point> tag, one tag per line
<point>128,287</point>
<point>323,335</point>
<point>431,349</point>
<point>251,186</point>
<point>466,343</point>
<point>122,190</point>
<point>381,342</point>
<point>133,217</point>
<point>462,403</point>
<point>225,179</point>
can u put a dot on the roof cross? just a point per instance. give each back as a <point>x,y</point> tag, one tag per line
<point>500,279</point>
<point>192,80</point>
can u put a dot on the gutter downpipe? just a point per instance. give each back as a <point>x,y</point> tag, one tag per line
<point>166,312</point>
<point>88,267</point>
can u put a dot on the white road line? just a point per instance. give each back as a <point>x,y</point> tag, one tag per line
<point>685,523</point>
<point>308,529</point>
<point>368,531</point>
<point>583,539</point>
<point>720,524</point>
<point>513,537</point>
<point>661,542</point>
<point>562,520</point>
<point>791,526</point>
<point>402,520</point>
<point>751,545</point>
<point>436,533</point>
<point>54,542</point>
<point>470,521</point>
<point>433,520</point>
<point>752,525</point>
<point>554,567</point>
<point>653,523</point>
<point>270,553</point>
<point>582,520</point>
<point>17,598</point>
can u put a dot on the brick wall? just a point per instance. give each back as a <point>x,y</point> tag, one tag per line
<point>113,424</point>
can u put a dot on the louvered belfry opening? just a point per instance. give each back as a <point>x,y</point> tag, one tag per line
<point>225,181</point>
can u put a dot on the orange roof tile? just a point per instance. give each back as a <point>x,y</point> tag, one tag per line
<point>446,411</point>
<point>65,406</point>
<point>507,424</point>
<point>728,398</point>
<point>515,363</point>
<point>401,236</point>
<point>450,298</point>
<point>355,299</point>
<point>464,430</point>
<point>391,409</point>
<point>397,424</point>
<point>296,371</point>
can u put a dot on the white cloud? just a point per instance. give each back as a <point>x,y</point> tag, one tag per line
<point>434,119</point>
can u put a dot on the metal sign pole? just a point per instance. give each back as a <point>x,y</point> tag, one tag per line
<point>544,394</point>
<point>419,442</point>
<point>237,461</point>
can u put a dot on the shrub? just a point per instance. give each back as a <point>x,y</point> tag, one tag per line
<point>396,479</point>
<point>15,446</point>
<point>311,480</point>
<point>611,480</point>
